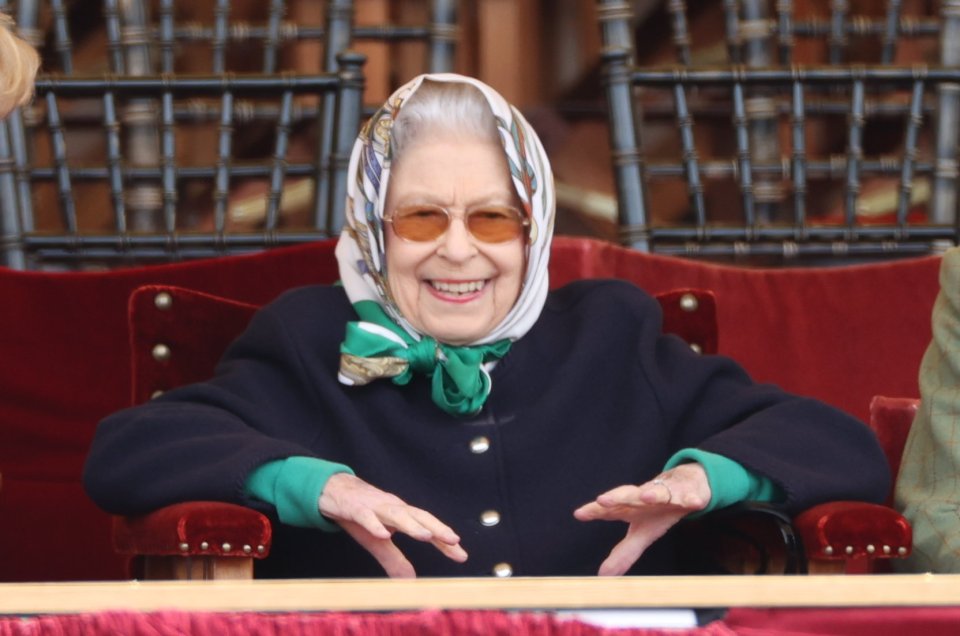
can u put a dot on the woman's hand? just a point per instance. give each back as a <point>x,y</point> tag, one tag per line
<point>371,516</point>
<point>651,509</point>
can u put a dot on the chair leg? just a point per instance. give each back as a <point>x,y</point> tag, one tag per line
<point>203,568</point>
<point>815,566</point>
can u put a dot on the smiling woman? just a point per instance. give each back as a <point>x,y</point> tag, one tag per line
<point>450,415</point>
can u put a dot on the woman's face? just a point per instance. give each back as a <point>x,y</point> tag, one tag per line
<point>455,288</point>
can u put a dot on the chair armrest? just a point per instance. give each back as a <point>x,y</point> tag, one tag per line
<point>197,528</point>
<point>845,530</point>
<point>753,538</point>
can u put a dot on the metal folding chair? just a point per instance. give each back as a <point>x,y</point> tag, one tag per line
<point>762,128</point>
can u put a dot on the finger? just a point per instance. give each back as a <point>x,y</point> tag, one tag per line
<point>594,511</point>
<point>392,561</point>
<point>627,495</point>
<point>369,521</point>
<point>657,492</point>
<point>441,531</point>
<point>402,518</point>
<point>444,538</point>
<point>454,551</point>
<point>624,554</point>
<point>694,501</point>
<point>591,511</point>
<point>388,555</point>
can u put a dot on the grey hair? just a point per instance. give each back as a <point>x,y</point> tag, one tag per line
<point>453,109</point>
<point>18,67</point>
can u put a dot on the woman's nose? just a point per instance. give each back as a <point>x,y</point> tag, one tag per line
<point>457,244</point>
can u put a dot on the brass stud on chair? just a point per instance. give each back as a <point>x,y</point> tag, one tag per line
<point>871,549</point>
<point>204,545</point>
<point>160,352</point>
<point>163,301</point>
<point>828,550</point>
<point>247,549</point>
<point>849,549</point>
<point>184,547</point>
<point>261,549</point>
<point>902,551</point>
<point>226,547</point>
<point>886,549</point>
<point>689,302</point>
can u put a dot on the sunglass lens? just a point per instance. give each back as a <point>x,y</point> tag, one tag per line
<point>420,224</point>
<point>495,226</point>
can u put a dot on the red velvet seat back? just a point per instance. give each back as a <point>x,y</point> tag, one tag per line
<point>65,365</point>
<point>840,334</point>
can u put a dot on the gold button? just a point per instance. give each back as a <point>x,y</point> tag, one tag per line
<point>502,570</point>
<point>490,518</point>
<point>479,445</point>
<point>163,301</point>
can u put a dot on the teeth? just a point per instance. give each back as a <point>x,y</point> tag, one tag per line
<point>458,288</point>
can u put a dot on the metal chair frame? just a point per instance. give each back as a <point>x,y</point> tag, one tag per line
<point>145,104</point>
<point>138,44</point>
<point>28,247</point>
<point>774,184</point>
<point>765,33</point>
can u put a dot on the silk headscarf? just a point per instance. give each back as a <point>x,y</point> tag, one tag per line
<point>391,346</point>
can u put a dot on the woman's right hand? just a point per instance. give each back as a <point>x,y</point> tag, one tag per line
<point>371,516</point>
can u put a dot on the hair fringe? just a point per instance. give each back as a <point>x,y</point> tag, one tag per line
<point>454,109</point>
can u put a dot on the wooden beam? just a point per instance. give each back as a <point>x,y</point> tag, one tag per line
<point>487,593</point>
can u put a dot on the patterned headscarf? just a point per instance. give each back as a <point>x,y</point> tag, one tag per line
<point>384,343</point>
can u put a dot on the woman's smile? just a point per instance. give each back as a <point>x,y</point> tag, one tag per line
<point>457,291</point>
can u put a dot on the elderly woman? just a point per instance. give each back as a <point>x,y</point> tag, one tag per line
<point>448,414</point>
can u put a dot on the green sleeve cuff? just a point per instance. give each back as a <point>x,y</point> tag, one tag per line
<point>729,481</point>
<point>293,486</point>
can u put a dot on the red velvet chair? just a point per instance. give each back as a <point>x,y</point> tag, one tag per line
<point>177,335</point>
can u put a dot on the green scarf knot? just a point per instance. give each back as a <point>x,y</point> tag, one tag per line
<point>376,347</point>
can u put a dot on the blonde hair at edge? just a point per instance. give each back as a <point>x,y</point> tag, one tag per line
<point>448,108</point>
<point>18,67</point>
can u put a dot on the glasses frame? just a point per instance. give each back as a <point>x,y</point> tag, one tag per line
<point>524,221</point>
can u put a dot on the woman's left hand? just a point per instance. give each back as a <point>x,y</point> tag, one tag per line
<point>651,509</point>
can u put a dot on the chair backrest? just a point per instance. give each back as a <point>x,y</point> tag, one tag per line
<point>761,159</point>
<point>177,335</point>
<point>890,419</point>
<point>221,127</point>
<point>73,190</point>
<point>137,37</point>
<point>764,33</point>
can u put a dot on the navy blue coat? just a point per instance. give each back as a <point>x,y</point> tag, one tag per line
<point>593,397</point>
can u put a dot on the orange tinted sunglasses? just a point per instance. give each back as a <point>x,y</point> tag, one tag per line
<point>489,223</point>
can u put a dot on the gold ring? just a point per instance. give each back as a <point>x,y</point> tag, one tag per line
<point>660,482</point>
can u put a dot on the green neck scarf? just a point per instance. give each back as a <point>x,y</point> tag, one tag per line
<point>376,347</point>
